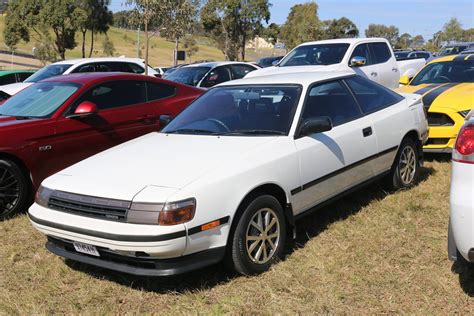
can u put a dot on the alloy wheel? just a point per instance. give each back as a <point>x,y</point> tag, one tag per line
<point>407,165</point>
<point>262,236</point>
<point>9,190</point>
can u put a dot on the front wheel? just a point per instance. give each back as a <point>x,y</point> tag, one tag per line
<point>406,168</point>
<point>259,237</point>
<point>14,189</point>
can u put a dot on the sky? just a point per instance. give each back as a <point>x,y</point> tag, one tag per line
<point>415,17</point>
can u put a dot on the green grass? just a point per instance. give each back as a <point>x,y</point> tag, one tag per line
<point>370,253</point>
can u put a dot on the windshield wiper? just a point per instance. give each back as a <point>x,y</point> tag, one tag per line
<point>192,130</point>
<point>20,117</point>
<point>255,132</point>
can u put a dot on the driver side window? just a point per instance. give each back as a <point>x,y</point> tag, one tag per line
<point>361,50</point>
<point>216,76</point>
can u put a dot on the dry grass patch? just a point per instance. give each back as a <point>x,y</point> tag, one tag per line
<point>368,253</point>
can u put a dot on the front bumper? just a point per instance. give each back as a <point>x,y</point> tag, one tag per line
<point>139,266</point>
<point>442,139</point>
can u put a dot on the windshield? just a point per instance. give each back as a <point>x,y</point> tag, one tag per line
<point>443,72</point>
<point>320,54</point>
<point>452,50</point>
<point>188,75</point>
<point>48,72</point>
<point>239,110</point>
<point>39,100</point>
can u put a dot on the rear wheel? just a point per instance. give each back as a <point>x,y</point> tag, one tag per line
<point>259,237</point>
<point>14,189</point>
<point>406,168</point>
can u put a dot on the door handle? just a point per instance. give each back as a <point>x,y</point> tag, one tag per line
<point>395,69</point>
<point>147,119</point>
<point>373,74</point>
<point>367,131</point>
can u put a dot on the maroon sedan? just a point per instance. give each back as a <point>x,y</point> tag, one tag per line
<point>60,121</point>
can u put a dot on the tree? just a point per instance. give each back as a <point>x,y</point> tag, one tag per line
<point>36,19</point>
<point>453,30</point>
<point>468,35</point>
<point>380,30</point>
<point>96,18</point>
<point>271,33</point>
<point>151,15</point>
<point>404,41</point>
<point>232,22</point>
<point>340,28</point>
<point>190,46</point>
<point>179,19</point>
<point>302,25</point>
<point>108,46</point>
<point>418,41</point>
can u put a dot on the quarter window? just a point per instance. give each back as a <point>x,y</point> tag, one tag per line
<point>157,91</point>
<point>371,96</point>
<point>216,76</point>
<point>116,94</point>
<point>380,52</point>
<point>331,99</point>
<point>241,71</point>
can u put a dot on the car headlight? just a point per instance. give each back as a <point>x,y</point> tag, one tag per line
<point>42,196</point>
<point>171,213</point>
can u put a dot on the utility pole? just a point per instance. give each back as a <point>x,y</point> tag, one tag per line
<point>138,42</point>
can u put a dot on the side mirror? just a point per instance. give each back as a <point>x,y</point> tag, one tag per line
<point>315,125</point>
<point>165,120</point>
<point>404,80</point>
<point>358,61</point>
<point>84,109</point>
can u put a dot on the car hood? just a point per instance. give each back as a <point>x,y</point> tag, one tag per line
<point>160,160</point>
<point>456,96</point>
<point>290,69</point>
<point>14,88</point>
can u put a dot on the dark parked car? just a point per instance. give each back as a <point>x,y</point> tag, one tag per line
<point>59,121</point>
<point>268,61</point>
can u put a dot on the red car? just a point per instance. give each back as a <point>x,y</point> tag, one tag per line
<point>62,120</point>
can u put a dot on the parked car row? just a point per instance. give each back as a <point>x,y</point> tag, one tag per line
<point>157,177</point>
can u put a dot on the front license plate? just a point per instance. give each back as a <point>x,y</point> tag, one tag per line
<point>87,249</point>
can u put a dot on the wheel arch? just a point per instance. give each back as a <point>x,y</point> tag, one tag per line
<point>20,163</point>
<point>415,136</point>
<point>272,189</point>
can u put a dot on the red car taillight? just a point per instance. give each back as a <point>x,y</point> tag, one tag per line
<point>464,148</point>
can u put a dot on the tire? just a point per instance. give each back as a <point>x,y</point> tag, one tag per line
<point>406,167</point>
<point>247,257</point>
<point>14,189</point>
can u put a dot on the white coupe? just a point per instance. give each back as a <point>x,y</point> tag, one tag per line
<point>228,176</point>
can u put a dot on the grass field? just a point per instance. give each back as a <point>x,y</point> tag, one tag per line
<point>125,43</point>
<point>368,253</point>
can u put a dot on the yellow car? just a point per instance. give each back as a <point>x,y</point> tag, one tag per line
<point>447,87</point>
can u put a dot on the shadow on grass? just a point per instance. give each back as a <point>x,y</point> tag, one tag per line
<point>465,270</point>
<point>308,227</point>
<point>441,157</point>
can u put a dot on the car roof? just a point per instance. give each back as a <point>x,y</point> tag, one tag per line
<point>213,64</point>
<point>98,59</point>
<point>9,72</point>
<point>304,79</point>
<point>84,78</point>
<point>458,57</point>
<point>347,41</point>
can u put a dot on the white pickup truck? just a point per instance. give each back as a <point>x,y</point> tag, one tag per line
<point>370,57</point>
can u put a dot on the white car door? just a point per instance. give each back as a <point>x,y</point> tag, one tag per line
<point>332,161</point>
<point>383,59</point>
<point>388,113</point>
<point>369,70</point>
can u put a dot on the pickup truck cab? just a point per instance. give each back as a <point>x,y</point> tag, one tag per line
<point>372,58</point>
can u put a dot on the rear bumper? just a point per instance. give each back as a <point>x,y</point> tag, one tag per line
<point>139,266</point>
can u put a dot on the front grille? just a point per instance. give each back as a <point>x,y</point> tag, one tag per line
<point>439,119</point>
<point>90,206</point>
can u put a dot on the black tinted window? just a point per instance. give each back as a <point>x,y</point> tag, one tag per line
<point>84,68</point>
<point>158,91</point>
<point>362,50</point>
<point>371,96</point>
<point>116,94</point>
<point>216,76</point>
<point>241,70</point>
<point>119,67</point>
<point>381,52</point>
<point>23,75</point>
<point>7,79</point>
<point>331,99</point>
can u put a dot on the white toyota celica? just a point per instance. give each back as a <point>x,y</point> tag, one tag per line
<point>228,176</point>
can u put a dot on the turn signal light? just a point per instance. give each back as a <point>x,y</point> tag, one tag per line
<point>177,212</point>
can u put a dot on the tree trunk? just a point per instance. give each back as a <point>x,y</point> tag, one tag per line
<point>175,62</point>
<point>147,39</point>
<point>92,43</point>
<point>84,44</point>
<point>242,52</point>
